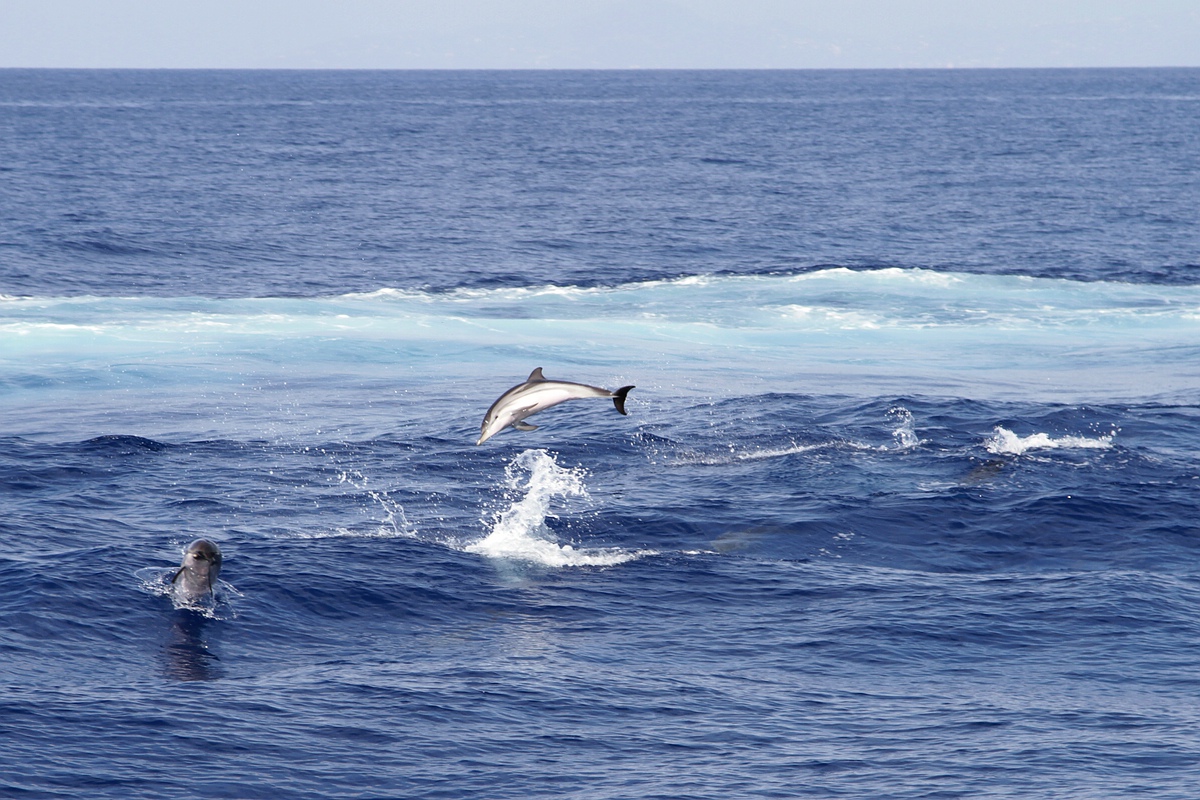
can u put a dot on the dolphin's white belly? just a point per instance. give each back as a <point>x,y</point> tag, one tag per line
<point>553,395</point>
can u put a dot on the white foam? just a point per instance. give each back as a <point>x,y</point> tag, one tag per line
<point>389,293</point>
<point>887,331</point>
<point>832,317</point>
<point>520,531</point>
<point>884,274</point>
<point>1005,442</point>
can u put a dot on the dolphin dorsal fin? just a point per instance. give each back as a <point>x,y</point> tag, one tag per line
<point>536,376</point>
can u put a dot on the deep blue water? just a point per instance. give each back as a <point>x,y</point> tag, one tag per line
<point>906,505</point>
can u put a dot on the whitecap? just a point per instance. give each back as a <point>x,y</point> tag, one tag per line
<point>1005,442</point>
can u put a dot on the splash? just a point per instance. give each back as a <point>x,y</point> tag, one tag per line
<point>220,605</point>
<point>1005,442</point>
<point>535,480</point>
<point>905,432</point>
<point>394,522</point>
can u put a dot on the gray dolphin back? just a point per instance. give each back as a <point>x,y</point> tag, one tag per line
<point>618,396</point>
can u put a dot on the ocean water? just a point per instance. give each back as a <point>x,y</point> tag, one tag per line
<point>906,504</point>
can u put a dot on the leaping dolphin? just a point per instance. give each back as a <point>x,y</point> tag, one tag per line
<point>197,575</point>
<point>537,394</point>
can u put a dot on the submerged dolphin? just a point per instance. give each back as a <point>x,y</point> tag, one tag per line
<point>537,394</point>
<point>197,575</point>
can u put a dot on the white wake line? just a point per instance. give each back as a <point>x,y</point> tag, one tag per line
<point>735,456</point>
<point>745,456</point>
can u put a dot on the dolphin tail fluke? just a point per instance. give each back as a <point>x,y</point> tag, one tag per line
<point>619,398</point>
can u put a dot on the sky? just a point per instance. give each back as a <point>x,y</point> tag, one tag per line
<point>598,34</point>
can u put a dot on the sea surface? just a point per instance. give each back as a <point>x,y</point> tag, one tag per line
<point>906,503</point>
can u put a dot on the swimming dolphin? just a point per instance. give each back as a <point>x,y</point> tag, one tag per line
<point>198,573</point>
<point>537,394</point>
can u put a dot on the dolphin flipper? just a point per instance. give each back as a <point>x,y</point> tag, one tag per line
<point>524,426</point>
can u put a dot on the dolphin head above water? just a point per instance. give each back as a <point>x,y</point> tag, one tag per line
<point>537,394</point>
<point>197,574</point>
